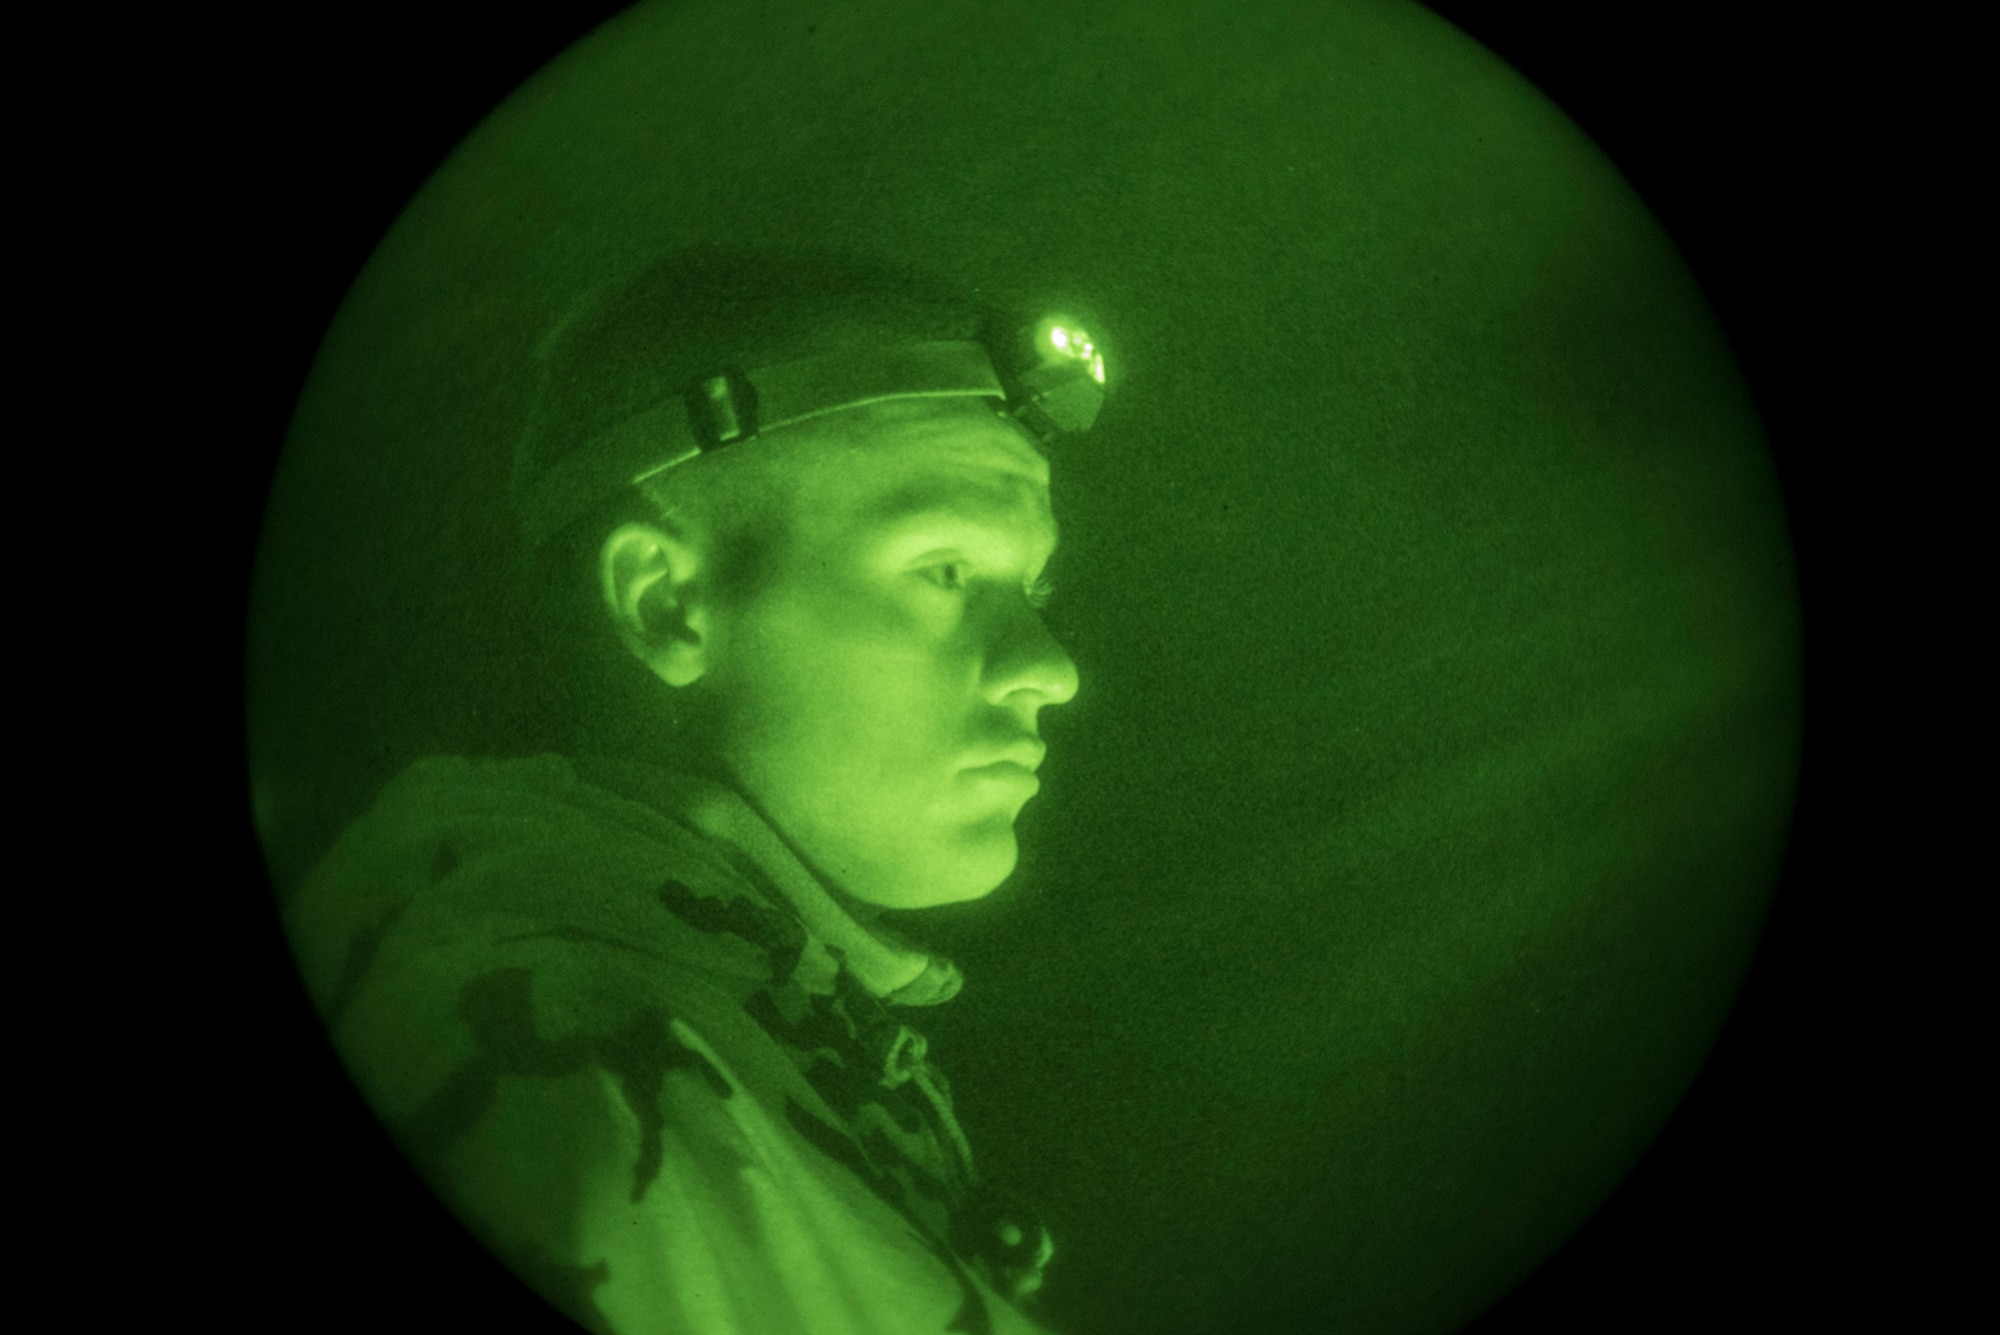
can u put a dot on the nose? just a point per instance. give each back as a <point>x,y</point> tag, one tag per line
<point>1026,665</point>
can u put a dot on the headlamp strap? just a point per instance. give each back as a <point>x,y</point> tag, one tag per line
<point>730,407</point>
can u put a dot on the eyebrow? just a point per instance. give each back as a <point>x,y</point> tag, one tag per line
<point>958,502</point>
<point>958,498</point>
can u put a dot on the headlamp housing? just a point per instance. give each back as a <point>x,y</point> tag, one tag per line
<point>1057,383</point>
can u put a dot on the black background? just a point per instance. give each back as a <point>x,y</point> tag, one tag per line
<point>1741,131</point>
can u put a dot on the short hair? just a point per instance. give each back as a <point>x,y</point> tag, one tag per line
<point>644,342</point>
<point>630,347</point>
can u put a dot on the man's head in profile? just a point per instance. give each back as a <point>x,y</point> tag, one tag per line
<point>838,617</point>
<point>629,1006</point>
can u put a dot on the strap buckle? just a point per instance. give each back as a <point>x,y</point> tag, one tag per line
<point>722,410</point>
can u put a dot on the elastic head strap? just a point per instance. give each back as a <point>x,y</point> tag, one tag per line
<point>731,407</point>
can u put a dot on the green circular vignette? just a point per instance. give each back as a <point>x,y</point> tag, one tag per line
<point>1427,575</point>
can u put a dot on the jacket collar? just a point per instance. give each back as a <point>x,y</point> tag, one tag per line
<point>888,966</point>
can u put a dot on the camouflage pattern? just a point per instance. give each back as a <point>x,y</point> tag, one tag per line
<point>651,1062</point>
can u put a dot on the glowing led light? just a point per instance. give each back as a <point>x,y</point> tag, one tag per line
<point>1061,341</point>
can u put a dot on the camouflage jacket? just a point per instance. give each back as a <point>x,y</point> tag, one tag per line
<point>646,1057</point>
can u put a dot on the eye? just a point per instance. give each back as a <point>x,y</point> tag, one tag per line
<point>1040,591</point>
<point>946,574</point>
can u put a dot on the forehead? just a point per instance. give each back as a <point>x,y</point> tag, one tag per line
<point>910,460</point>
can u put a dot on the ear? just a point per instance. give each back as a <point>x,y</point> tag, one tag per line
<point>648,575</point>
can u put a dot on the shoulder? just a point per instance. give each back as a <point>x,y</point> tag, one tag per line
<point>474,888</point>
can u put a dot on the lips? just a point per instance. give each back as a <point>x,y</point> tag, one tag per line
<point>1023,755</point>
<point>1003,781</point>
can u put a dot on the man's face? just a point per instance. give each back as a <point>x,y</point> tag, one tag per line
<point>879,695</point>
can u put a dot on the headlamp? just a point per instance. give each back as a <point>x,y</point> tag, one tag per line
<point>1049,377</point>
<point>1058,380</point>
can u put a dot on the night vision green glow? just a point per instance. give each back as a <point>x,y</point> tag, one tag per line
<point>1076,345</point>
<point>1317,905</point>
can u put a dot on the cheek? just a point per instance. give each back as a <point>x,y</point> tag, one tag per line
<point>848,688</point>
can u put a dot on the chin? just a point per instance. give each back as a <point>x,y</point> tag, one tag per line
<point>972,868</point>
